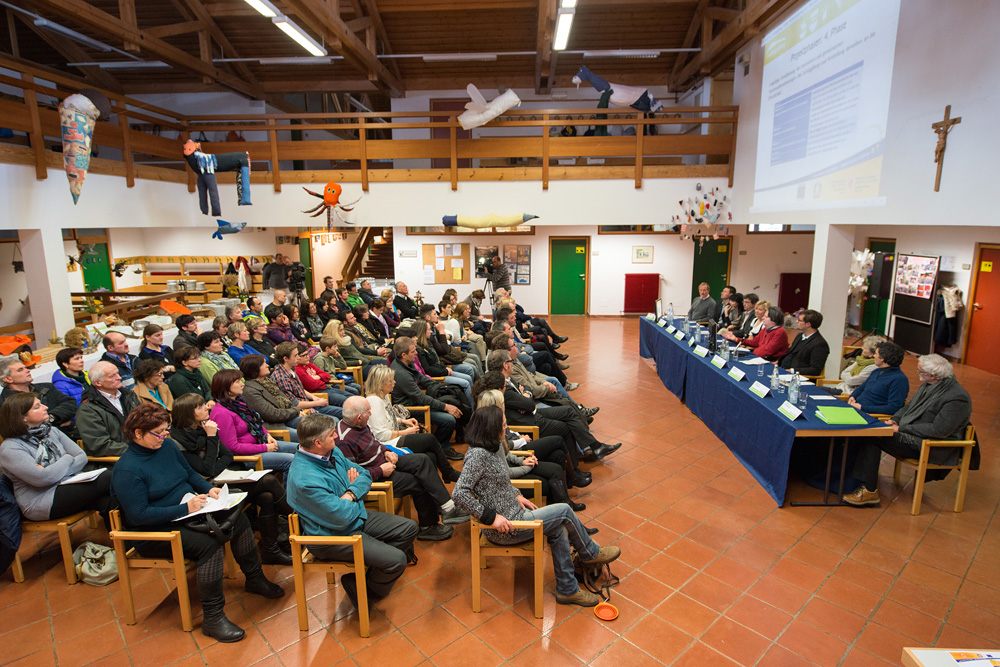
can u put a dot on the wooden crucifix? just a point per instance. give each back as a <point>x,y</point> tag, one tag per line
<point>942,128</point>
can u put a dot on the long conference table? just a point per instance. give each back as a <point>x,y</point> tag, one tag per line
<point>751,427</point>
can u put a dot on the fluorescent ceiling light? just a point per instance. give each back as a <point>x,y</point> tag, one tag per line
<point>73,34</point>
<point>303,60</point>
<point>264,7</point>
<point>623,53</point>
<point>133,64</point>
<point>565,4</point>
<point>563,25</point>
<point>459,57</point>
<point>295,32</point>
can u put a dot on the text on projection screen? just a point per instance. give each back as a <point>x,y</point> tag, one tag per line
<point>825,105</point>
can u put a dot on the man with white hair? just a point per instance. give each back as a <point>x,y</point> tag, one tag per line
<point>406,306</point>
<point>103,409</point>
<point>16,377</point>
<point>411,474</point>
<point>940,410</point>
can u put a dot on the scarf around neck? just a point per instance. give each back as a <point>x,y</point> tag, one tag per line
<point>48,450</point>
<point>252,419</point>
<point>273,390</point>
<point>860,364</point>
<point>221,360</point>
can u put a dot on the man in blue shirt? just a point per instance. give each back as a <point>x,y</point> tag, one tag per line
<point>885,390</point>
<point>328,493</point>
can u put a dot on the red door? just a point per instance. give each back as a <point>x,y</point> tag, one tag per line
<point>981,349</point>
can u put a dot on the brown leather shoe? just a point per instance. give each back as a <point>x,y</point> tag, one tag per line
<point>582,597</point>
<point>862,497</point>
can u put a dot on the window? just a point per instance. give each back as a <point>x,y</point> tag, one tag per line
<point>780,229</point>
<point>638,229</point>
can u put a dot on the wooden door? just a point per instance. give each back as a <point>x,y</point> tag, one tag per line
<point>984,312</point>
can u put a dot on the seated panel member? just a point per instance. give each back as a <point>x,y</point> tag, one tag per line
<point>809,351</point>
<point>885,390</point>
<point>939,410</point>
<point>327,491</point>
<point>772,341</point>
<point>703,307</point>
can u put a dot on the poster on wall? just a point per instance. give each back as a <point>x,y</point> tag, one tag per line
<point>519,259</point>
<point>915,275</point>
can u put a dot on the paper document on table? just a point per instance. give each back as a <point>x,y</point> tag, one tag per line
<point>81,477</point>
<point>519,443</point>
<point>823,397</point>
<point>756,361</point>
<point>225,501</point>
<point>787,377</point>
<point>232,476</point>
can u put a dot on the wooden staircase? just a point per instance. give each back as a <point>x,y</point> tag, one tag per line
<point>379,263</point>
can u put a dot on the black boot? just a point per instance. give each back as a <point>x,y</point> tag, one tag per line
<point>270,552</point>
<point>581,478</point>
<point>215,624</point>
<point>560,494</point>
<point>256,582</point>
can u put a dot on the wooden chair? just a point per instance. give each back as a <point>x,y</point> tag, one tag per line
<point>129,559</point>
<point>425,410</point>
<point>358,375</point>
<point>923,465</point>
<point>281,434</point>
<point>482,547</point>
<point>63,527</point>
<point>303,561</point>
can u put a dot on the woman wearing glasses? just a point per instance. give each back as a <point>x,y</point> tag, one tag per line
<point>150,481</point>
<point>149,384</point>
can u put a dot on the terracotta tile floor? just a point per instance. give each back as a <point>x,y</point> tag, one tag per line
<point>712,572</point>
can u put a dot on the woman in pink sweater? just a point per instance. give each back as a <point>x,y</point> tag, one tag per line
<point>241,428</point>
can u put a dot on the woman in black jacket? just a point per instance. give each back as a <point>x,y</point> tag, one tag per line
<point>432,364</point>
<point>197,437</point>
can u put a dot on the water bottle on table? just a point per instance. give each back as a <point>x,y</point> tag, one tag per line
<point>793,389</point>
<point>670,312</point>
<point>775,382</point>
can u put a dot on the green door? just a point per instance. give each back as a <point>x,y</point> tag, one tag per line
<point>305,256</point>
<point>568,276</point>
<point>711,265</point>
<point>96,268</point>
<point>875,312</point>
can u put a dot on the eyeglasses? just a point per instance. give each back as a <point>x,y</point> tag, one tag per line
<point>159,435</point>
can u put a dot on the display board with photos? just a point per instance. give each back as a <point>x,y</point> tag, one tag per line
<point>915,275</point>
<point>518,258</point>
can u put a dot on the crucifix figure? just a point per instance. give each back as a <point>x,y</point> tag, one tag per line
<point>942,128</point>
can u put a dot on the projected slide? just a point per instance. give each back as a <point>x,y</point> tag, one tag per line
<point>825,105</point>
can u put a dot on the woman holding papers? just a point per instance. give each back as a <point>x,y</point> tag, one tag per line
<point>197,436</point>
<point>38,459</point>
<point>151,481</point>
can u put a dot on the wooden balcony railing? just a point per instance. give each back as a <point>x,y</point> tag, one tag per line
<point>362,148</point>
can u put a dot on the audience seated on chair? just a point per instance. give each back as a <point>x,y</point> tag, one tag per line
<point>16,378</point>
<point>286,357</point>
<point>70,379</point>
<point>240,346</point>
<point>153,348</point>
<point>859,369</point>
<point>939,410</point>
<point>187,332</point>
<point>411,474</point>
<point>103,411</point>
<point>885,390</point>
<point>37,457</point>
<point>116,352</point>
<point>415,388</point>
<point>484,490</point>
<point>327,492</point>
<point>149,384</point>
<point>188,378</point>
<point>149,481</point>
<point>266,398</point>
<point>808,352</point>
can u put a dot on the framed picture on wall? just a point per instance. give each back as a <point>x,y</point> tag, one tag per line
<point>642,254</point>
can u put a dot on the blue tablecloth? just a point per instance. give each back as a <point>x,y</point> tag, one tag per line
<point>750,426</point>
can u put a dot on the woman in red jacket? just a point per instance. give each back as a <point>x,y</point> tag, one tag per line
<point>772,341</point>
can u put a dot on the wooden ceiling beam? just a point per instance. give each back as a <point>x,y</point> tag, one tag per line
<point>721,14</point>
<point>173,29</point>
<point>545,57</point>
<point>357,25</point>
<point>408,6</point>
<point>318,15</point>
<point>692,32</point>
<point>85,14</point>
<point>196,10</point>
<point>373,12</point>
<point>126,11</point>
<point>73,52</point>
<point>730,38</point>
<point>320,85</point>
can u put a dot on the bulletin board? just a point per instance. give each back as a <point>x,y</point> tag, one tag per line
<point>446,263</point>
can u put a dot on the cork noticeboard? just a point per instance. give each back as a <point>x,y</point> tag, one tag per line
<point>446,263</point>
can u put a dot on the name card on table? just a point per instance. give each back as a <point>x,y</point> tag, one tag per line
<point>691,342</point>
<point>718,362</point>
<point>736,374</point>
<point>662,323</point>
<point>650,316</point>
<point>671,328</point>
<point>679,335</point>
<point>789,411</point>
<point>761,390</point>
<point>701,351</point>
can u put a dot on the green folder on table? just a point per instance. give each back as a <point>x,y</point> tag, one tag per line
<point>840,415</point>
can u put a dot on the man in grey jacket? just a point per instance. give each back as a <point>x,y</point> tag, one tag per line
<point>103,410</point>
<point>16,377</point>
<point>407,392</point>
<point>940,410</point>
<point>703,307</point>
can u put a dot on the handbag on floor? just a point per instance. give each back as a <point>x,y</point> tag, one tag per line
<point>96,564</point>
<point>597,579</point>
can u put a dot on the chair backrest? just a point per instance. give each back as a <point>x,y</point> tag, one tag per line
<point>293,525</point>
<point>970,432</point>
<point>116,520</point>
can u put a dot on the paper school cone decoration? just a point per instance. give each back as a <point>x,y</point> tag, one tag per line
<point>77,116</point>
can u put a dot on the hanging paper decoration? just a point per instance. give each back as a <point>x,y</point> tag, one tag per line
<point>483,221</point>
<point>77,118</point>
<point>331,204</point>
<point>702,215</point>
<point>479,111</point>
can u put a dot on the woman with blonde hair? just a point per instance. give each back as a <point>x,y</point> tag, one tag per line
<point>753,326</point>
<point>393,427</point>
<point>552,475</point>
<point>348,350</point>
<point>461,329</point>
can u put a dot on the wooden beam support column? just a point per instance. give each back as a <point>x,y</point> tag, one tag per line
<point>453,145</point>
<point>732,150</point>
<point>640,130</point>
<point>37,138</point>
<point>545,151</point>
<point>272,136</point>
<point>363,140</point>
<point>126,11</point>
<point>126,148</point>
<point>205,51</point>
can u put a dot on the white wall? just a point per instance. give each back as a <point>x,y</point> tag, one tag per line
<point>13,286</point>
<point>767,257</point>
<point>946,53</point>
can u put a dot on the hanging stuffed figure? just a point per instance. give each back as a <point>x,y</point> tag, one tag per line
<point>205,165</point>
